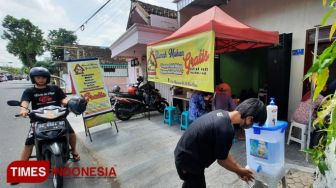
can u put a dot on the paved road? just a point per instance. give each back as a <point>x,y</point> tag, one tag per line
<point>12,136</point>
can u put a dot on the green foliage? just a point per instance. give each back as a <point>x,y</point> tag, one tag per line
<point>12,70</point>
<point>25,39</point>
<point>327,16</point>
<point>60,37</point>
<point>323,61</point>
<point>318,157</point>
<point>328,104</point>
<point>46,64</point>
<point>319,74</point>
<point>25,70</point>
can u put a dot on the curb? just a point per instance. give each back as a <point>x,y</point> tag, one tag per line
<point>289,166</point>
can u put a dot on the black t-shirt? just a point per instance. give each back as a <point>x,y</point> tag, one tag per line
<point>207,139</point>
<point>51,95</point>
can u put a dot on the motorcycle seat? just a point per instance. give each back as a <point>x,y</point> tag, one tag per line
<point>128,95</point>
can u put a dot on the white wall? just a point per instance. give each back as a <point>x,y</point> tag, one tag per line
<point>131,40</point>
<point>163,22</point>
<point>131,73</point>
<point>285,16</point>
<point>145,37</point>
<point>165,91</point>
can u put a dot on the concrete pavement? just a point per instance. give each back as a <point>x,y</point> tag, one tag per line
<point>142,153</point>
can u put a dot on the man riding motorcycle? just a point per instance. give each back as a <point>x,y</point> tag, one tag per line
<point>41,95</point>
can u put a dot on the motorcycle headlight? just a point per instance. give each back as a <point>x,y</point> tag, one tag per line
<point>51,114</point>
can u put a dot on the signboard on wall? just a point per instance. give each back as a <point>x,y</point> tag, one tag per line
<point>187,62</point>
<point>135,62</point>
<point>297,52</point>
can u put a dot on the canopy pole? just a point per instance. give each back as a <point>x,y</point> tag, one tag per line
<point>312,88</point>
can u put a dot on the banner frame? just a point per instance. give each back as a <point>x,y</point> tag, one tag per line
<point>85,118</point>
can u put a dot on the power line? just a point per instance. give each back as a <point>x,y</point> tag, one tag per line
<point>109,17</point>
<point>102,17</point>
<point>82,27</point>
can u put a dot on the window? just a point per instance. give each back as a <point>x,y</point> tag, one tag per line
<point>115,70</point>
<point>109,69</point>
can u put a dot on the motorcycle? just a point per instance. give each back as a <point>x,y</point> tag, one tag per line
<point>51,137</point>
<point>146,98</point>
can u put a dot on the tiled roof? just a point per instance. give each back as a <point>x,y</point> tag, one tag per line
<point>144,10</point>
<point>160,11</point>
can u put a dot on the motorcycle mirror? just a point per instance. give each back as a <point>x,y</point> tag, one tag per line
<point>13,103</point>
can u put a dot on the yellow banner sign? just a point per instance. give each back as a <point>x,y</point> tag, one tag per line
<point>186,62</point>
<point>88,81</point>
<point>101,119</point>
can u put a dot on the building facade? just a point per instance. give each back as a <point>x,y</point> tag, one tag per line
<point>146,23</point>
<point>286,16</point>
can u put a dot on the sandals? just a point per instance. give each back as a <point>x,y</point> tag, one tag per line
<point>75,157</point>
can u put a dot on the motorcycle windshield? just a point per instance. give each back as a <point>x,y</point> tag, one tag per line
<point>50,112</point>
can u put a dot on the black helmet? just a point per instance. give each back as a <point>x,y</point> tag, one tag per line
<point>140,79</point>
<point>39,71</point>
<point>115,89</point>
<point>77,105</point>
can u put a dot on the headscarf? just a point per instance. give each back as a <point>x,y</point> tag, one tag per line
<point>224,86</point>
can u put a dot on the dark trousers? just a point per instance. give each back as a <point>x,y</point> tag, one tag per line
<point>191,180</point>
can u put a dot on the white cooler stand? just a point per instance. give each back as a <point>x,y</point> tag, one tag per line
<point>265,155</point>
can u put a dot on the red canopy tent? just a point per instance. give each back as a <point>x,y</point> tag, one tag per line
<point>230,34</point>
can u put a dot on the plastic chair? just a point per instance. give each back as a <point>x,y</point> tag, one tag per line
<point>301,140</point>
<point>184,120</point>
<point>169,115</point>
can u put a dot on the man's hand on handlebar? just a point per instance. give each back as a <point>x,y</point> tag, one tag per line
<point>24,112</point>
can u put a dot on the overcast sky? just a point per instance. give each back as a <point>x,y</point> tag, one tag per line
<point>102,30</point>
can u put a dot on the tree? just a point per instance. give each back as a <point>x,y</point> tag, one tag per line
<point>46,64</point>
<point>12,70</point>
<point>60,37</point>
<point>25,39</point>
<point>25,70</point>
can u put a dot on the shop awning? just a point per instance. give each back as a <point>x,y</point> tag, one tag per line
<point>231,35</point>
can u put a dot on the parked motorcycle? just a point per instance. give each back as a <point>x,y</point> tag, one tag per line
<point>51,137</point>
<point>144,98</point>
<point>133,92</point>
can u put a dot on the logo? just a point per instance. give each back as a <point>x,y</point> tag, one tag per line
<point>151,63</point>
<point>94,96</point>
<point>45,99</point>
<point>39,171</point>
<point>190,61</point>
<point>79,69</point>
<point>27,171</point>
